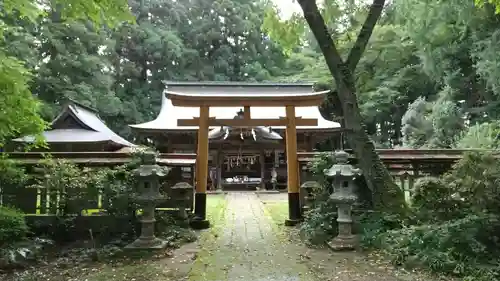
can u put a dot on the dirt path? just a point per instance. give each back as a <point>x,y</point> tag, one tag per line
<point>249,247</point>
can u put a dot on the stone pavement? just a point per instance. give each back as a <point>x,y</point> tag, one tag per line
<point>248,247</point>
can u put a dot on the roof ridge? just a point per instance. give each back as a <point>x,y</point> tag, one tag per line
<point>239,83</point>
<point>70,101</point>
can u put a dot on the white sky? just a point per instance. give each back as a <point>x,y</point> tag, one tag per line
<point>287,7</point>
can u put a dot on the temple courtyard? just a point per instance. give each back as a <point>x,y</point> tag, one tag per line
<point>248,241</point>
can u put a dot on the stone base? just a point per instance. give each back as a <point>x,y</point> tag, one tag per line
<point>266,191</point>
<point>292,222</point>
<point>199,224</point>
<point>141,244</point>
<point>217,191</point>
<point>344,243</point>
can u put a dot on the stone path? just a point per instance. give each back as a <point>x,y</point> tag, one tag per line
<point>258,253</point>
<point>249,248</point>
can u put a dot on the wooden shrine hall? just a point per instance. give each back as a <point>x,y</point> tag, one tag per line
<point>238,123</point>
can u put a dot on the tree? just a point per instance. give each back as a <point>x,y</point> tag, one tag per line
<point>387,196</point>
<point>20,109</point>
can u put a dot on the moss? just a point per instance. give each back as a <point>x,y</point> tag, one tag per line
<point>203,268</point>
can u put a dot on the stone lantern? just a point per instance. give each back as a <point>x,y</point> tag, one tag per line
<point>307,189</point>
<point>180,193</point>
<point>274,178</point>
<point>148,177</point>
<point>343,175</point>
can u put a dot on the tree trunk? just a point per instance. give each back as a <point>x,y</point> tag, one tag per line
<point>387,196</point>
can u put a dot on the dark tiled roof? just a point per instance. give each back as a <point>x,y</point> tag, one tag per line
<point>92,128</point>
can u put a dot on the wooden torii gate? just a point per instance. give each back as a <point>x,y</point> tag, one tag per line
<point>204,121</point>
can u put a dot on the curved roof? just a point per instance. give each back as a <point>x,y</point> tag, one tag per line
<point>90,128</point>
<point>169,114</point>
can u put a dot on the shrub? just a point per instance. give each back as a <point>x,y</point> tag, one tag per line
<point>320,223</point>
<point>433,200</point>
<point>476,180</point>
<point>466,247</point>
<point>457,229</point>
<point>13,227</point>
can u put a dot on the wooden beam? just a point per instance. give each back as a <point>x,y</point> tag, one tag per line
<point>246,113</point>
<point>247,123</point>
<point>275,100</point>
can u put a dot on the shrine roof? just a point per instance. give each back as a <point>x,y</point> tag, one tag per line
<point>78,124</point>
<point>230,94</point>
<point>278,94</point>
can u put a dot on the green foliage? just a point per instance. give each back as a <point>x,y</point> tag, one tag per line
<point>319,222</point>
<point>432,124</point>
<point>475,178</point>
<point>415,128</point>
<point>288,32</point>
<point>317,167</point>
<point>20,114</point>
<point>20,109</point>
<point>464,247</point>
<point>433,200</point>
<point>318,226</point>
<point>13,227</point>
<point>12,175</point>
<point>485,135</point>
<point>62,177</point>
<point>456,224</point>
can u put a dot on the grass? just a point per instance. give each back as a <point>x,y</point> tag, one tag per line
<point>216,214</point>
<point>277,212</point>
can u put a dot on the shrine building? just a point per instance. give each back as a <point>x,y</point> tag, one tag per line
<point>239,157</point>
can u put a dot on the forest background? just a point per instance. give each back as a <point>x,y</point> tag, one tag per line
<point>429,77</point>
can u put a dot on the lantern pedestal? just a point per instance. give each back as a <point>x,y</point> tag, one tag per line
<point>180,193</point>
<point>148,244</point>
<point>345,240</point>
<point>344,243</point>
<point>148,240</point>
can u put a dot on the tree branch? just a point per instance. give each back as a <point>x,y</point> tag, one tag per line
<point>364,34</point>
<point>320,30</point>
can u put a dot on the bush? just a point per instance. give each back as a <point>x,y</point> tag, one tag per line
<point>466,247</point>
<point>320,222</point>
<point>476,179</point>
<point>81,188</point>
<point>457,229</point>
<point>13,227</point>
<point>433,200</point>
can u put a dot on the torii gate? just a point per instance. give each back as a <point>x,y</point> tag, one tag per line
<point>287,100</point>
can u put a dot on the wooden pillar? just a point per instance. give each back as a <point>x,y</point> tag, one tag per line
<point>262,170</point>
<point>294,212</point>
<point>200,199</point>
<point>220,162</point>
